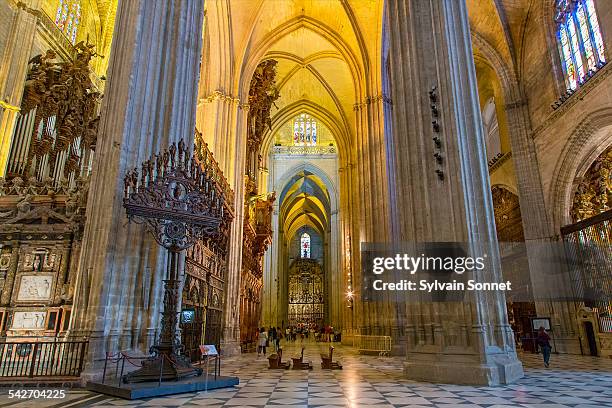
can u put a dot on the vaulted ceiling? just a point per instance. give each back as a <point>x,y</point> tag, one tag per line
<point>305,200</point>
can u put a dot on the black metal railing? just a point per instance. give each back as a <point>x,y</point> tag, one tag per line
<point>42,359</point>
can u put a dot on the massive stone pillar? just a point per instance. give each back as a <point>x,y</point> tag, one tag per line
<point>13,69</point>
<point>150,101</point>
<point>372,218</point>
<point>455,342</point>
<point>230,341</point>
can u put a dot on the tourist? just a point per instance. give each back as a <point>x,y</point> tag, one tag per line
<point>279,336</point>
<point>543,340</point>
<point>262,341</point>
<point>272,337</point>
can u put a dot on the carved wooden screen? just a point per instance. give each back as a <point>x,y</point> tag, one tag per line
<point>203,292</point>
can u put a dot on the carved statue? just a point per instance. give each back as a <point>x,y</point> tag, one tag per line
<point>262,95</point>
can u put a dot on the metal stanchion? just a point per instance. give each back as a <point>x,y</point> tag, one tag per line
<point>104,372</point>
<point>122,368</point>
<point>161,371</point>
<point>206,377</point>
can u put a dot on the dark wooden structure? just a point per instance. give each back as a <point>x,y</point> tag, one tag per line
<point>300,364</point>
<point>276,361</point>
<point>327,362</point>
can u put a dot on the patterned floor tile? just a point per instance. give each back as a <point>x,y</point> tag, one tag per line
<point>371,381</point>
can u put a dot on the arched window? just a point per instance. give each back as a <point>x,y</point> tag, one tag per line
<point>68,17</point>
<point>580,42</point>
<point>491,127</point>
<point>304,131</point>
<point>305,246</point>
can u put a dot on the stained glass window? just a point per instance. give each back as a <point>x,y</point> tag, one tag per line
<point>304,130</point>
<point>68,17</point>
<point>305,245</point>
<point>580,42</point>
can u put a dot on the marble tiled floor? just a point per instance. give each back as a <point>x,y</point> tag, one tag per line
<point>370,381</point>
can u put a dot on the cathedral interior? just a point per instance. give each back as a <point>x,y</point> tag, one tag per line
<point>181,173</point>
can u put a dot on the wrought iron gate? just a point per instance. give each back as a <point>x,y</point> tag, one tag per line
<point>588,244</point>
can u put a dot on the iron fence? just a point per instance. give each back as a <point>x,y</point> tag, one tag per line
<point>32,359</point>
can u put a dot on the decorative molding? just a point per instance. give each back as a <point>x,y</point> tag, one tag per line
<point>304,150</point>
<point>576,97</point>
<point>495,164</point>
<point>371,100</point>
<point>219,95</point>
<point>56,37</point>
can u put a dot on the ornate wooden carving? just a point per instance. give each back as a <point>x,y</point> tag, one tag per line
<point>64,91</point>
<point>257,222</point>
<point>179,202</point>
<point>306,292</point>
<point>262,95</point>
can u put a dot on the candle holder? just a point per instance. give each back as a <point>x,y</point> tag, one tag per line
<point>178,202</point>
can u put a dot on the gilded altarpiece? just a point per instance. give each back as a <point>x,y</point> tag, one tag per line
<point>306,293</point>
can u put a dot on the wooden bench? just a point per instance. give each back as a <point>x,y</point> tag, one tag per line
<point>275,361</point>
<point>300,364</point>
<point>327,363</point>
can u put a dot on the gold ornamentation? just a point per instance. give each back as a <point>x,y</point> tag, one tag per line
<point>507,210</point>
<point>594,192</point>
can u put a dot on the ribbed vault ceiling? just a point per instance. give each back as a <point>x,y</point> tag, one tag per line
<point>304,201</point>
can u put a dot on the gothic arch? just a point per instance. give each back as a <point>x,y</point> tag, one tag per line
<point>587,141</point>
<point>340,132</point>
<point>317,171</point>
<point>258,52</point>
<point>505,73</point>
<point>304,65</point>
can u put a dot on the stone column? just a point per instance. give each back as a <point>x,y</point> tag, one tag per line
<point>538,236</point>
<point>13,71</point>
<point>452,342</point>
<point>230,341</point>
<point>270,302</point>
<point>150,101</point>
<point>381,317</point>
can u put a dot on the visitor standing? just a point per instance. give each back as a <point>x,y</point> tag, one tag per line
<point>543,340</point>
<point>279,336</point>
<point>262,341</point>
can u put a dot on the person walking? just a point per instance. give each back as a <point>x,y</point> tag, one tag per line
<point>543,340</point>
<point>262,341</point>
